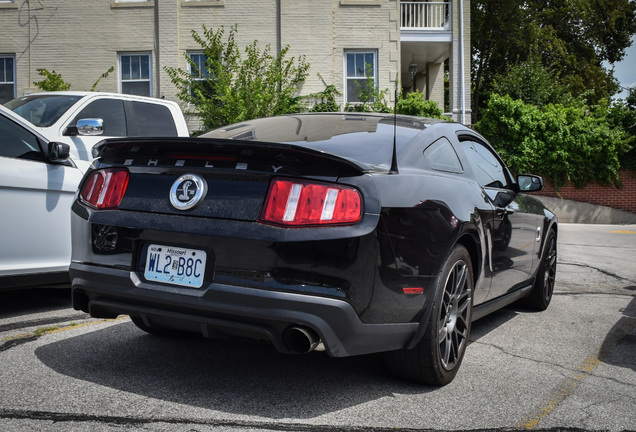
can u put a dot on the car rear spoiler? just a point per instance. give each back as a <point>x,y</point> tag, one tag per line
<point>110,150</point>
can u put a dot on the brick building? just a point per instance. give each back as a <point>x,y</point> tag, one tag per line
<point>82,39</point>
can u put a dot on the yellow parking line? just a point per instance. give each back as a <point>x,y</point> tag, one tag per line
<point>560,393</point>
<point>622,232</point>
<point>60,329</point>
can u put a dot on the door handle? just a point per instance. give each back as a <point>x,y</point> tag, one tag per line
<point>502,212</point>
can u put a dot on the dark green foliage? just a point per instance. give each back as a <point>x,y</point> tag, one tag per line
<point>533,83</point>
<point>622,114</point>
<point>239,89</point>
<point>573,37</point>
<point>414,104</point>
<point>559,142</point>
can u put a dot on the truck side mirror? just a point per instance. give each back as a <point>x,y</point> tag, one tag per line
<point>90,126</point>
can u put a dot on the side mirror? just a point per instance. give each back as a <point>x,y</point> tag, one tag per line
<point>90,126</point>
<point>59,152</point>
<point>529,183</point>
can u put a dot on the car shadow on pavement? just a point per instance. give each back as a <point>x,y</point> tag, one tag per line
<point>22,301</point>
<point>232,376</point>
<point>619,345</point>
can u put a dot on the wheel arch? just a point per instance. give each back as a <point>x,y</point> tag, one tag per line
<point>469,240</point>
<point>474,250</point>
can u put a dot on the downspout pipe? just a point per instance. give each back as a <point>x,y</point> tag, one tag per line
<point>279,18</point>
<point>461,60</point>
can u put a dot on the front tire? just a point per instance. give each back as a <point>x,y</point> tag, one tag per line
<point>437,357</point>
<point>541,294</point>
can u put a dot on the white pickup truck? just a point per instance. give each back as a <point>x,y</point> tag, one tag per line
<point>42,162</point>
<point>100,115</point>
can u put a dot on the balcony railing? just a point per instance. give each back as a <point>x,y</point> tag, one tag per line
<point>425,15</point>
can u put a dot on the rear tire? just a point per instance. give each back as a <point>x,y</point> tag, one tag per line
<point>437,357</point>
<point>541,294</point>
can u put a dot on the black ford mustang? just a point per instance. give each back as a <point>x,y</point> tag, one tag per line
<point>364,232</point>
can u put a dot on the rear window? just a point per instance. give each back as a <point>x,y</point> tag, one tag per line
<point>149,120</point>
<point>367,139</point>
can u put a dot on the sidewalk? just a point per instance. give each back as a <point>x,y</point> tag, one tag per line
<point>579,212</point>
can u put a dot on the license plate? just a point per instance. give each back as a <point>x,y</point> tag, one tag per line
<point>175,265</point>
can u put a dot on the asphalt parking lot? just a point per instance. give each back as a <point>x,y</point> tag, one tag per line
<point>571,367</point>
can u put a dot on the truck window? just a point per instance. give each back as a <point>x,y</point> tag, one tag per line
<point>148,120</point>
<point>109,110</point>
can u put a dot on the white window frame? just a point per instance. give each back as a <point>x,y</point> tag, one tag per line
<point>204,73</point>
<point>122,81</point>
<point>3,73</point>
<point>356,76</point>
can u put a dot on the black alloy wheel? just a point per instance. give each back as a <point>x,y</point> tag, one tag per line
<point>541,294</point>
<point>437,357</point>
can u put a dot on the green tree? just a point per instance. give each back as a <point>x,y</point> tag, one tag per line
<point>532,82</point>
<point>574,38</point>
<point>238,89</point>
<point>52,81</point>
<point>622,114</point>
<point>563,143</point>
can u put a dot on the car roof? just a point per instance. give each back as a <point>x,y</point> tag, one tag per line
<point>320,127</point>
<point>88,94</point>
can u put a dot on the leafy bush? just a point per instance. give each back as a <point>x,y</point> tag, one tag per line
<point>52,81</point>
<point>238,89</point>
<point>414,104</point>
<point>371,98</point>
<point>562,143</point>
<point>324,101</point>
<point>622,114</point>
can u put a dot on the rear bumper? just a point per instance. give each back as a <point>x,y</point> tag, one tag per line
<point>106,292</point>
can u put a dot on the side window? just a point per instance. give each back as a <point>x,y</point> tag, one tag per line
<point>486,167</point>
<point>442,157</point>
<point>109,110</point>
<point>135,75</point>
<point>7,79</point>
<point>360,67</point>
<point>149,120</point>
<point>17,142</point>
<point>200,74</point>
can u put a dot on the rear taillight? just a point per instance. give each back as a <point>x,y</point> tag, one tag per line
<point>105,189</point>
<point>301,203</point>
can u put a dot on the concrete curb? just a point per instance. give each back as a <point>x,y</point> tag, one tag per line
<point>579,212</point>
